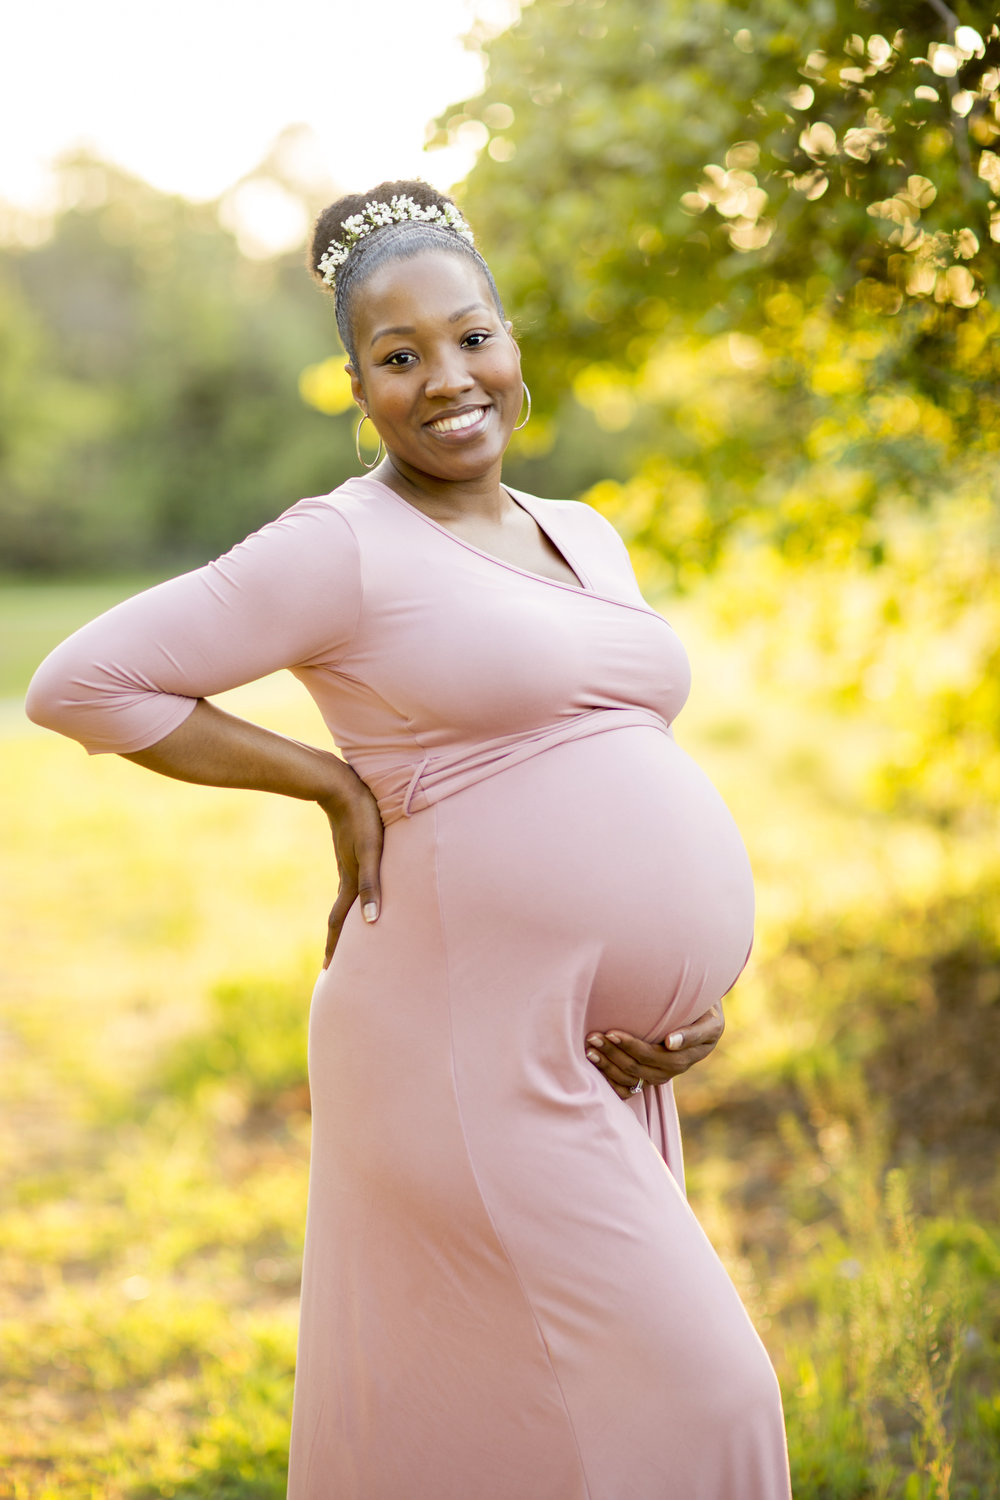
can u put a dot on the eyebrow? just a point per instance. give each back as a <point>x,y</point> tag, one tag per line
<point>407,329</point>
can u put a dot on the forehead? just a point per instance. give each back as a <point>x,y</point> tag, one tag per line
<point>418,290</point>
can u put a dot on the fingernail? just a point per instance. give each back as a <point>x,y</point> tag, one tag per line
<point>675,1040</point>
<point>613,1036</point>
<point>594,1056</point>
<point>596,1041</point>
<point>369,911</point>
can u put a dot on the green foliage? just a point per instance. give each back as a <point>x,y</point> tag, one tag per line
<point>754,246</point>
<point>605,118</point>
<point>911,646</point>
<point>752,260</point>
<point>153,372</point>
<point>897,1324</point>
<point>256,1040</point>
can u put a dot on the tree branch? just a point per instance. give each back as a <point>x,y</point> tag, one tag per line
<point>961,126</point>
<point>945,13</point>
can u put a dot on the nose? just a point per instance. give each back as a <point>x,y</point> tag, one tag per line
<point>448,374</point>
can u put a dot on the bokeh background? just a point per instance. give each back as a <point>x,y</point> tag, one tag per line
<point>751,250</point>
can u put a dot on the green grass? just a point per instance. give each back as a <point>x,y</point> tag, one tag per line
<point>159,945</point>
<point>34,617</point>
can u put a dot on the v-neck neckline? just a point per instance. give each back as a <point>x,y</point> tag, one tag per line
<point>583,586</point>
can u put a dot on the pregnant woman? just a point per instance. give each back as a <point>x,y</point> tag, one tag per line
<point>505,1295</point>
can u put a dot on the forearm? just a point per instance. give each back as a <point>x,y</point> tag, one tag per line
<point>214,748</point>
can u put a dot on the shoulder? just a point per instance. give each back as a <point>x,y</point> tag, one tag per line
<point>305,549</point>
<point>578,519</point>
<point>351,502</point>
<point>590,537</point>
<point>316,528</point>
<point>332,512</point>
<point>573,512</point>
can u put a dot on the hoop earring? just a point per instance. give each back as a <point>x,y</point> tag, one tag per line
<point>357,443</point>
<point>527,414</point>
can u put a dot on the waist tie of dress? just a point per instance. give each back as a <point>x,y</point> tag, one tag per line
<point>441,774</point>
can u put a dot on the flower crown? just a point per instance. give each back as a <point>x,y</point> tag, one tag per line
<point>377,215</point>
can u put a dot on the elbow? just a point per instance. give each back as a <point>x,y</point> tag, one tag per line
<point>52,695</point>
<point>69,694</point>
<point>95,701</point>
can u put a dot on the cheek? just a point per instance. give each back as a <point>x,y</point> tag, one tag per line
<point>505,370</point>
<point>391,401</point>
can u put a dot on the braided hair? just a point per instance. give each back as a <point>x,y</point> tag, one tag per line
<point>398,241</point>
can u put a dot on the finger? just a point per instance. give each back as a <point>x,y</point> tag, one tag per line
<point>369,882</point>
<point>619,1088</point>
<point>665,1064</point>
<point>333,931</point>
<point>612,1072</point>
<point>680,1062</point>
<point>346,897</point>
<point>623,1090</point>
<point>331,943</point>
<point>633,1056</point>
<point>705,1031</point>
<point>708,1028</point>
<point>650,1060</point>
<point>369,860</point>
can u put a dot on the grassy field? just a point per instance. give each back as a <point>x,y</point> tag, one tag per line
<point>35,616</point>
<point>159,946</point>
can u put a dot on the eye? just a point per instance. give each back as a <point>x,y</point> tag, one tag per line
<point>475,339</point>
<point>399,359</point>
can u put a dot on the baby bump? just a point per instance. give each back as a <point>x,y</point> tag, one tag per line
<point>615,855</point>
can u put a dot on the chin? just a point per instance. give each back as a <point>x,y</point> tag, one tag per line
<point>460,465</point>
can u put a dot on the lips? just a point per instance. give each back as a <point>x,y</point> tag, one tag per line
<point>459,421</point>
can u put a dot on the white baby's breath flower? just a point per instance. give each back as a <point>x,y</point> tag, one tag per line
<point>400,208</point>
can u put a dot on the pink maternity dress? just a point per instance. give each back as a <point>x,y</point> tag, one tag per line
<point>505,1295</point>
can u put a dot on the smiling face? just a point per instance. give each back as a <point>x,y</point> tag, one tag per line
<point>439,373</point>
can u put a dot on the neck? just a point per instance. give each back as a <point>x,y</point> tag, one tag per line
<point>445,499</point>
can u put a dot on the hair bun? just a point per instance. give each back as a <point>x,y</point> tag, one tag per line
<point>330,224</point>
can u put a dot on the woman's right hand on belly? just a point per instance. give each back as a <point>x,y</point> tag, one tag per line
<point>356,825</point>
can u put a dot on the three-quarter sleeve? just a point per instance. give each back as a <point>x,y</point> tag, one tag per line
<point>289,595</point>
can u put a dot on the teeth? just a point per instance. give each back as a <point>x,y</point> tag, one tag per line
<point>456,424</point>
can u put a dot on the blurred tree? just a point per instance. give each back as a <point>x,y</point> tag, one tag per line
<point>150,374</point>
<point>756,244</point>
<point>759,240</point>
